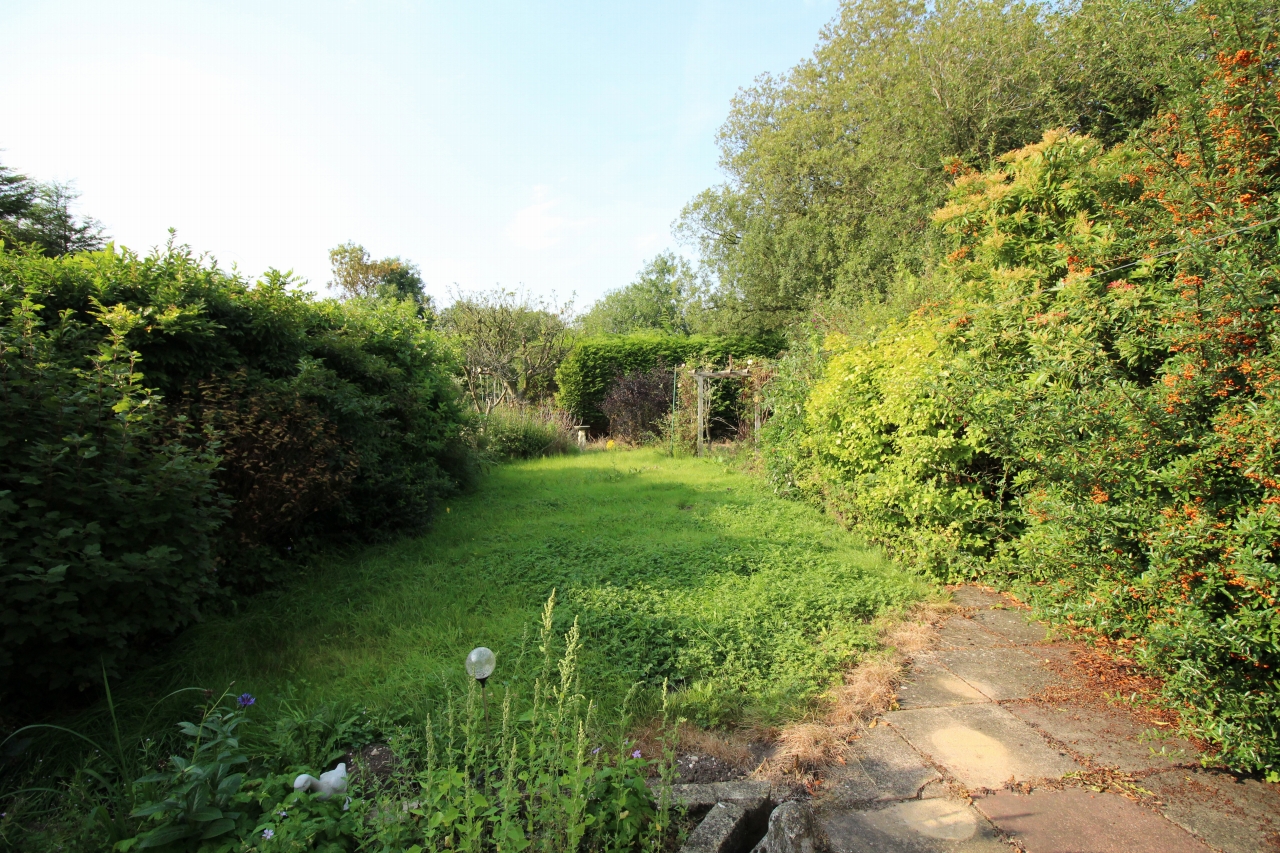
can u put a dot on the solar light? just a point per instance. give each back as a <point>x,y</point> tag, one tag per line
<point>480,664</point>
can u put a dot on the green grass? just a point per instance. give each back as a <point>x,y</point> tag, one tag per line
<point>677,569</point>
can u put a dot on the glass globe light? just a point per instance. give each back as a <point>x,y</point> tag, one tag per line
<point>480,663</point>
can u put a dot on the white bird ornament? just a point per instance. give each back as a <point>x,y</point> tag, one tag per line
<point>330,782</point>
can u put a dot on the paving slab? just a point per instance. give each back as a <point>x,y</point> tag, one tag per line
<point>1077,821</point>
<point>931,685</point>
<point>719,832</point>
<point>999,673</point>
<point>1107,736</point>
<point>1233,814</point>
<point>1016,626</point>
<point>942,825</point>
<point>971,596</point>
<point>881,767</point>
<point>959,632</point>
<point>984,746</point>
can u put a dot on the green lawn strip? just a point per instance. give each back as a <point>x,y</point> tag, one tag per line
<point>679,569</point>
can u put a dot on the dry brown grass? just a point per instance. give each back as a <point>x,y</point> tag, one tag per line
<point>909,638</point>
<point>867,690</point>
<point>806,747</point>
<point>733,747</point>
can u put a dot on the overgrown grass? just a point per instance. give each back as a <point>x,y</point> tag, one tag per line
<point>676,568</point>
<point>682,570</point>
<point>509,433</point>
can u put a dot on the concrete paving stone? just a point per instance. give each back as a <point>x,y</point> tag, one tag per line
<point>931,685</point>
<point>959,632</point>
<point>942,825</point>
<point>972,596</point>
<point>1016,626</point>
<point>1233,814</point>
<point>1002,673</point>
<point>1108,736</point>
<point>751,794</point>
<point>984,746</point>
<point>719,831</point>
<point>881,767</point>
<point>1077,821</point>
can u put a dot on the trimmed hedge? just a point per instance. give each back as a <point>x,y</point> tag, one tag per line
<point>170,432</point>
<point>589,370</point>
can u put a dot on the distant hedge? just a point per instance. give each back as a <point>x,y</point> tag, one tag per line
<point>586,374</point>
<point>169,430</point>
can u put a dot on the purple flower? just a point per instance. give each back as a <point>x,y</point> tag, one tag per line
<point>268,833</point>
<point>635,754</point>
<point>283,814</point>
<point>596,750</point>
<point>244,700</point>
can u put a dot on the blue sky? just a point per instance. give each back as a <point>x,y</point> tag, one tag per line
<point>543,145</point>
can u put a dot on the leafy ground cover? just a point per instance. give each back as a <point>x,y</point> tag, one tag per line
<point>677,569</point>
<point>683,572</point>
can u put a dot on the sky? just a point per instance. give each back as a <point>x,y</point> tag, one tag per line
<point>539,146</point>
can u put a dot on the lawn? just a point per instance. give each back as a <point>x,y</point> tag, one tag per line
<point>677,569</point>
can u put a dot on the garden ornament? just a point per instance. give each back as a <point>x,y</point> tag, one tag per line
<point>480,664</point>
<point>331,782</point>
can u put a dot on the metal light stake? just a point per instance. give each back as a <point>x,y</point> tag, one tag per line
<point>480,664</point>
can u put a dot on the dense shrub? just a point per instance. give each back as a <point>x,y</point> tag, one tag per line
<point>1091,417</point>
<point>146,401</point>
<point>106,517</point>
<point>637,401</point>
<point>590,368</point>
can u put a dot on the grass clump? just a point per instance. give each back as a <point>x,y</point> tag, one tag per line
<point>510,433</point>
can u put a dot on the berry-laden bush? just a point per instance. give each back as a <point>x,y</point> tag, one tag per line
<point>170,429</point>
<point>1091,418</point>
<point>591,367</point>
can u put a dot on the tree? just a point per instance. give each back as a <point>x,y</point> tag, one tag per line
<point>510,343</point>
<point>664,297</point>
<point>833,169</point>
<point>356,274</point>
<point>39,214</point>
<point>16,194</point>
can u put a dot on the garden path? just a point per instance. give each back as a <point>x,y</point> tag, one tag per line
<point>1003,738</point>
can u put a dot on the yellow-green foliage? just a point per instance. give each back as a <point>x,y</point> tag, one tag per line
<point>890,451</point>
<point>1091,416</point>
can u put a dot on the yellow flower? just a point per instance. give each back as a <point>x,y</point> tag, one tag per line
<point>609,445</point>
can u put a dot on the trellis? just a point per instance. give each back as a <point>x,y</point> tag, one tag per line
<point>702,377</point>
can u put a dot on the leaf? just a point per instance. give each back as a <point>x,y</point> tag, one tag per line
<point>218,827</point>
<point>165,835</point>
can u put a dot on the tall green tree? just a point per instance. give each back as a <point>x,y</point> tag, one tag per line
<point>16,194</point>
<point>832,170</point>
<point>40,215</point>
<point>664,298</point>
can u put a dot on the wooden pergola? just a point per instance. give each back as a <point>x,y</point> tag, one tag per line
<point>704,426</point>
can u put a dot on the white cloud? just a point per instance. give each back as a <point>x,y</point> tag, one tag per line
<point>538,226</point>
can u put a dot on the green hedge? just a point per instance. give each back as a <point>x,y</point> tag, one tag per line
<point>586,374</point>
<point>169,430</point>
